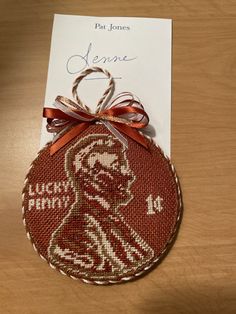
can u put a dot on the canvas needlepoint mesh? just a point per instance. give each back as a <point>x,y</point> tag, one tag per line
<point>100,206</point>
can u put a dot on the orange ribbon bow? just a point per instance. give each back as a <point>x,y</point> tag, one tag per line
<point>70,119</point>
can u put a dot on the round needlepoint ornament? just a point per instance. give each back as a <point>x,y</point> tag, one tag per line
<point>101,202</point>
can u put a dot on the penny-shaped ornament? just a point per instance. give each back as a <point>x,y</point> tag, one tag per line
<point>101,202</point>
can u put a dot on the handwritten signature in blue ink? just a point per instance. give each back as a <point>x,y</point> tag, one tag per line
<point>77,63</point>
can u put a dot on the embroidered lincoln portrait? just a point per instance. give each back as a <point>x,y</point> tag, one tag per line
<point>94,239</point>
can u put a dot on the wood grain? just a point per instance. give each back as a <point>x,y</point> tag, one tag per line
<point>199,274</point>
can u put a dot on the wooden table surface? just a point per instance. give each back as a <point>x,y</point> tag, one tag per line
<point>199,274</point>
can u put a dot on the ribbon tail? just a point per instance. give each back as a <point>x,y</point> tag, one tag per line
<point>132,133</point>
<point>66,138</point>
<point>114,131</point>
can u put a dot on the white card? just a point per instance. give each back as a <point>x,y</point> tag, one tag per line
<point>136,51</point>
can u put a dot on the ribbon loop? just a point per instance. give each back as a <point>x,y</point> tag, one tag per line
<point>124,114</point>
